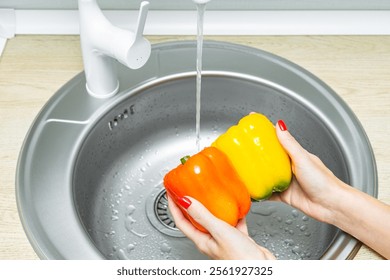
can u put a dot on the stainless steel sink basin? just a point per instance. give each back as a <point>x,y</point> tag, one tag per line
<point>89,177</point>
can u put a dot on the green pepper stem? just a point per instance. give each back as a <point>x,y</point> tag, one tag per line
<point>183,160</point>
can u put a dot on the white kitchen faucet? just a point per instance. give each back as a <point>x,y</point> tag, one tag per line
<point>102,42</point>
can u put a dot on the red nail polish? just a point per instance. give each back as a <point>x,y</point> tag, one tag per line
<point>184,202</point>
<point>282,125</point>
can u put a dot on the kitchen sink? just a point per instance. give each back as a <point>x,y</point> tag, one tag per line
<point>89,177</point>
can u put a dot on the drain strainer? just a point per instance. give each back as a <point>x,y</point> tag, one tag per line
<point>162,211</point>
<point>158,213</point>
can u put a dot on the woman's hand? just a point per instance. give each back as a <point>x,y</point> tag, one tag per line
<point>314,188</point>
<point>223,241</point>
<point>320,194</point>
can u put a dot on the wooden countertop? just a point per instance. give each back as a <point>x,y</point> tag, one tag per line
<point>32,68</point>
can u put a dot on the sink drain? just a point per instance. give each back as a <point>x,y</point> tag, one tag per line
<point>162,212</point>
<point>159,215</point>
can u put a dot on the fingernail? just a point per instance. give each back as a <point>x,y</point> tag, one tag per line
<point>184,202</point>
<point>282,125</point>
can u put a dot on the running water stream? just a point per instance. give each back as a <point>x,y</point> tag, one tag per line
<point>201,7</point>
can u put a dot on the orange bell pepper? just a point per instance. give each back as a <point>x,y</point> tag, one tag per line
<point>210,178</point>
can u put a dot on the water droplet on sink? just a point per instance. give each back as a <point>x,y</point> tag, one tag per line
<point>138,234</point>
<point>130,210</point>
<point>295,213</point>
<point>130,247</point>
<point>303,228</point>
<point>114,218</point>
<point>129,223</point>
<point>289,230</point>
<point>263,211</point>
<point>296,250</point>
<point>289,242</point>
<point>141,181</point>
<point>165,248</point>
<point>122,255</point>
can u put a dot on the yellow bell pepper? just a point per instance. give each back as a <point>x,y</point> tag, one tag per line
<point>255,152</point>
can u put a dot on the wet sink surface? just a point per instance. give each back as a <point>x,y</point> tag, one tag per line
<point>118,176</point>
<point>106,197</point>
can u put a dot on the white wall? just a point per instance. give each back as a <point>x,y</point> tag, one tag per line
<point>214,4</point>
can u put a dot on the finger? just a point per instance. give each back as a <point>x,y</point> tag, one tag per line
<point>276,197</point>
<point>203,241</point>
<point>241,226</point>
<point>268,254</point>
<point>181,221</point>
<point>202,215</point>
<point>299,156</point>
<point>175,212</point>
<point>289,143</point>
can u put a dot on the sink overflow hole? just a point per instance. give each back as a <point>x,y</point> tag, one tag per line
<point>120,117</point>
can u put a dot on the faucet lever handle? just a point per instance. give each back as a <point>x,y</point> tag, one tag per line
<point>144,8</point>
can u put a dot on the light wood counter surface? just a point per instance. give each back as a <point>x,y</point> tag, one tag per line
<point>33,68</point>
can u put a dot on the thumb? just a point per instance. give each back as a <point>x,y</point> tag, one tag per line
<point>205,218</point>
<point>289,143</point>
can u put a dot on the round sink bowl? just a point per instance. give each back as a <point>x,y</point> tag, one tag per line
<point>89,177</point>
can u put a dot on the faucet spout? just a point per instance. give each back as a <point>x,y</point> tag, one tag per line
<point>101,42</point>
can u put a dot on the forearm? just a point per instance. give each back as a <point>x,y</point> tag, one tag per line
<point>364,217</point>
<point>320,194</point>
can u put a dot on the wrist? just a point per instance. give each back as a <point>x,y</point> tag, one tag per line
<point>336,202</point>
<point>339,208</point>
